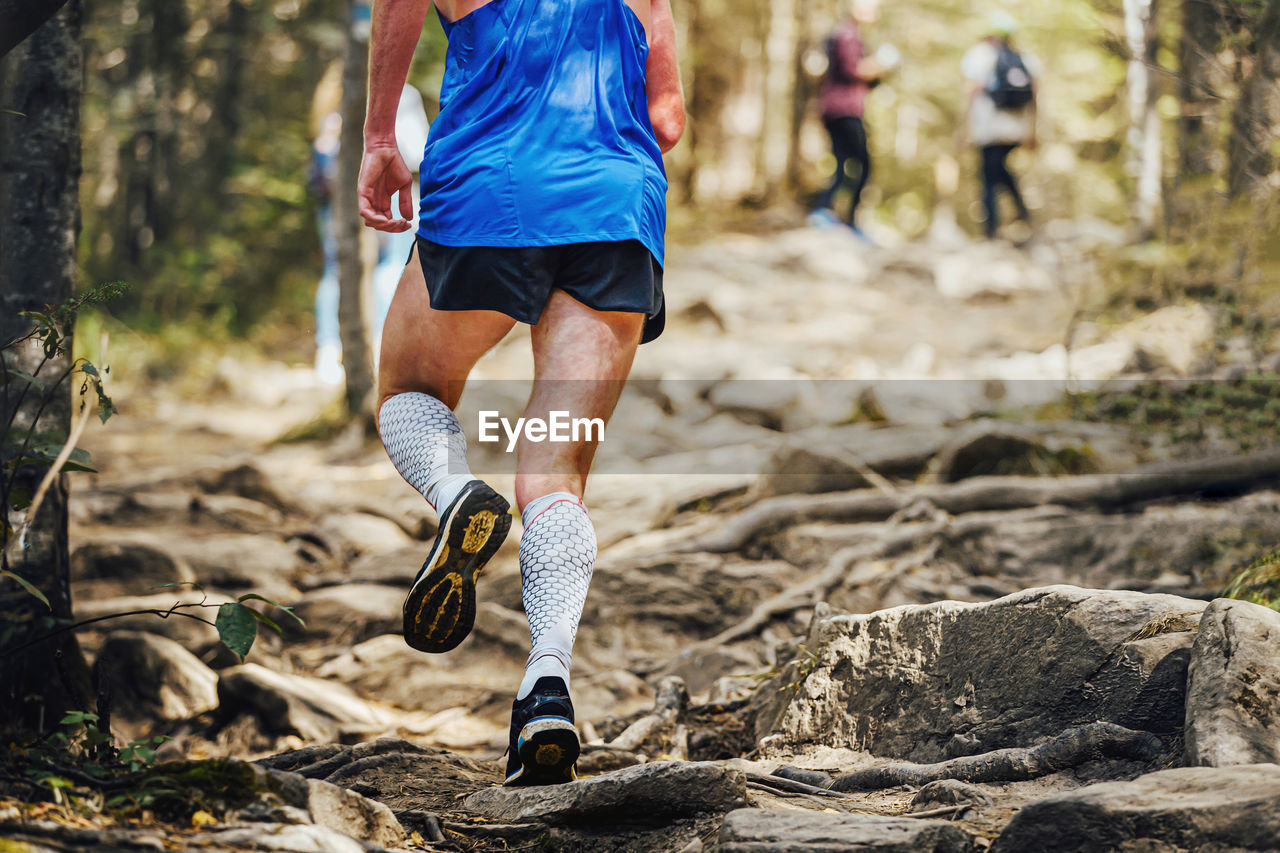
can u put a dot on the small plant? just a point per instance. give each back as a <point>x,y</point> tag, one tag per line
<point>1259,583</point>
<point>81,754</point>
<point>22,446</point>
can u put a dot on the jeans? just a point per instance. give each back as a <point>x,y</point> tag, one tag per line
<point>996,174</point>
<point>848,143</point>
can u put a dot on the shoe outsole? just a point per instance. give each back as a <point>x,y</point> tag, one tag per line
<point>441,607</point>
<point>548,748</point>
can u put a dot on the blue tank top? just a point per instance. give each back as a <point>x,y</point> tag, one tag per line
<point>543,136</point>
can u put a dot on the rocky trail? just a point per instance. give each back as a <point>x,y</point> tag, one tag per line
<point>865,583</point>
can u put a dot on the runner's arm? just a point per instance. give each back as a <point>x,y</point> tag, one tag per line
<point>662,78</point>
<point>397,24</point>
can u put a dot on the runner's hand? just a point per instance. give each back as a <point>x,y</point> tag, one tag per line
<point>383,174</point>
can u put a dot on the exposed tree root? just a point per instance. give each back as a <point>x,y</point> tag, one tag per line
<point>1072,748</point>
<point>1093,491</point>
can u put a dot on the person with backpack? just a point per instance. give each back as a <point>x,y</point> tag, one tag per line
<point>842,98</point>
<point>1000,112</point>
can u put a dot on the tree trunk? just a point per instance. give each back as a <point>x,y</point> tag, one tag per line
<point>696,87</point>
<point>1255,121</point>
<point>236,34</point>
<point>39,209</point>
<point>346,218</point>
<point>22,18</point>
<point>1197,49</point>
<point>801,92</point>
<point>777,36</point>
<point>1145,148</point>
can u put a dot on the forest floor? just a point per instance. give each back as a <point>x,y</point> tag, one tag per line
<point>824,427</point>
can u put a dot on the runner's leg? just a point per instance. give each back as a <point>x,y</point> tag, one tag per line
<point>581,361</point>
<point>426,356</point>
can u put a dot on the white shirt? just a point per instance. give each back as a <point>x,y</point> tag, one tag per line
<point>988,124</point>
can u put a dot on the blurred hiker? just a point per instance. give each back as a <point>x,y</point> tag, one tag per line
<point>842,99</point>
<point>324,166</point>
<point>1000,112</point>
<point>543,202</point>
<point>393,248</point>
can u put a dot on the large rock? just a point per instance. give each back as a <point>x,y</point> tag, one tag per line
<point>1188,808</point>
<point>759,831</point>
<point>315,709</point>
<point>248,481</point>
<point>352,612</point>
<point>258,562</point>
<point>1004,449</point>
<point>292,838</point>
<point>153,677</point>
<point>351,814</point>
<point>647,793</point>
<point>1176,337</point>
<point>364,533</point>
<point>138,566</point>
<point>1233,686</point>
<point>927,683</point>
<point>402,775</point>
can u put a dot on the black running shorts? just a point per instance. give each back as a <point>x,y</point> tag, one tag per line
<point>517,280</point>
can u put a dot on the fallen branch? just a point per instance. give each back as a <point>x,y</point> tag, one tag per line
<point>163,614</point>
<point>780,783</point>
<point>1072,748</point>
<point>1092,491</point>
<point>297,760</point>
<point>492,830</point>
<point>672,699</point>
<point>941,811</point>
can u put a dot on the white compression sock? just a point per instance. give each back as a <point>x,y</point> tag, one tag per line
<point>427,445</point>
<point>557,553</point>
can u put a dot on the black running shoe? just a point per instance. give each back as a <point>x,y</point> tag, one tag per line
<point>441,607</point>
<point>544,742</point>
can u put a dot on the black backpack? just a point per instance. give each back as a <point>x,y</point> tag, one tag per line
<point>1011,87</point>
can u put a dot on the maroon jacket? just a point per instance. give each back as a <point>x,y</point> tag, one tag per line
<point>842,93</point>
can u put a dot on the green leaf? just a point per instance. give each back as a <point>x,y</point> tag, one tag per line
<point>87,367</point>
<point>253,596</point>
<point>25,584</point>
<point>26,377</point>
<point>52,781</point>
<point>74,717</point>
<point>265,621</point>
<point>46,460</point>
<point>49,452</point>
<point>106,408</point>
<point>191,584</point>
<point>236,627</point>
<point>39,316</point>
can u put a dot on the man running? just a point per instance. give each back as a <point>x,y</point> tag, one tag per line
<point>543,201</point>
